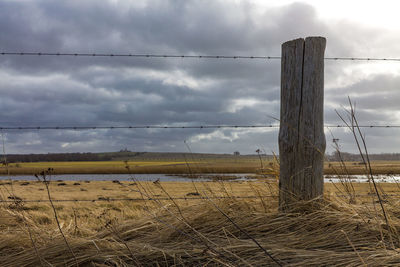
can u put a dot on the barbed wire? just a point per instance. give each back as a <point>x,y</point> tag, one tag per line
<point>106,199</point>
<point>133,127</point>
<point>170,127</point>
<point>181,56</point>
<point>361,59</point>
<point>363,126</point>
<point>135,55</point>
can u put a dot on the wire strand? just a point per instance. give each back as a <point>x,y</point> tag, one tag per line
<point>181,56</point>
<point>169,127</point>
<point>135,55</point>
<point>133,127</point>
<point>106,199</point>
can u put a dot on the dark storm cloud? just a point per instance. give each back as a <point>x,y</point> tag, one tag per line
<point>379,92</point>
<point>133,91</point>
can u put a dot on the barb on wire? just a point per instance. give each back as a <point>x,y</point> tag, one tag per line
<point>111,55</point>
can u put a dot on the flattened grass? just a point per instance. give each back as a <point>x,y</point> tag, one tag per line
<point>194,232</point>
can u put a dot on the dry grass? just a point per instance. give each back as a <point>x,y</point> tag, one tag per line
<point>196,232</point>
<point>119,167</point>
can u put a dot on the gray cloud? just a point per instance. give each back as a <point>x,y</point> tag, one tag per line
<point>133,91</point>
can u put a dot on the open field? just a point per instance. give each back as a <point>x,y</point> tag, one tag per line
<point>224,228</point>
<point>206,165</point>
<point>103,190</point>
<point>120,167</point>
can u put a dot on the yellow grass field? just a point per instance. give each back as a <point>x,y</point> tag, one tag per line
<point>236,223</point>
<point>94,167</point>
<point>123,200</point>
<point>220,223</point>
<point>103,190</point>
<point>194,166</point>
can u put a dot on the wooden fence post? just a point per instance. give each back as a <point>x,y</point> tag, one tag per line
<point>301,134</point>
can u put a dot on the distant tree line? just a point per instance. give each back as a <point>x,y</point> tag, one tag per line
<point>13,158</point>
<point>121,155</point>
<point>127,155</point>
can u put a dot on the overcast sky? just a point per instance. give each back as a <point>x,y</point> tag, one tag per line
<point>65,91</point>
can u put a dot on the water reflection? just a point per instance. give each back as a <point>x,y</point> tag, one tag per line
<point>199,178</point>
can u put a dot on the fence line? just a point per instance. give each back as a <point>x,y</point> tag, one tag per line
<point>171,127</point>
<point>182,56</point>
<point>106,199</point>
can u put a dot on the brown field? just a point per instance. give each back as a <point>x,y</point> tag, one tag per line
<point>207,165</point>
<point>378,167</point>
<point>223,229</point>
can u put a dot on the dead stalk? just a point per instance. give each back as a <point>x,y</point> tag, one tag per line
<point>33,242</point>
<point>46,183</point>
<point>354,248</point>
<point>353,125</point>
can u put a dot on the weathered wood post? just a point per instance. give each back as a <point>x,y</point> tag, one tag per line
<point>301,134</point>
